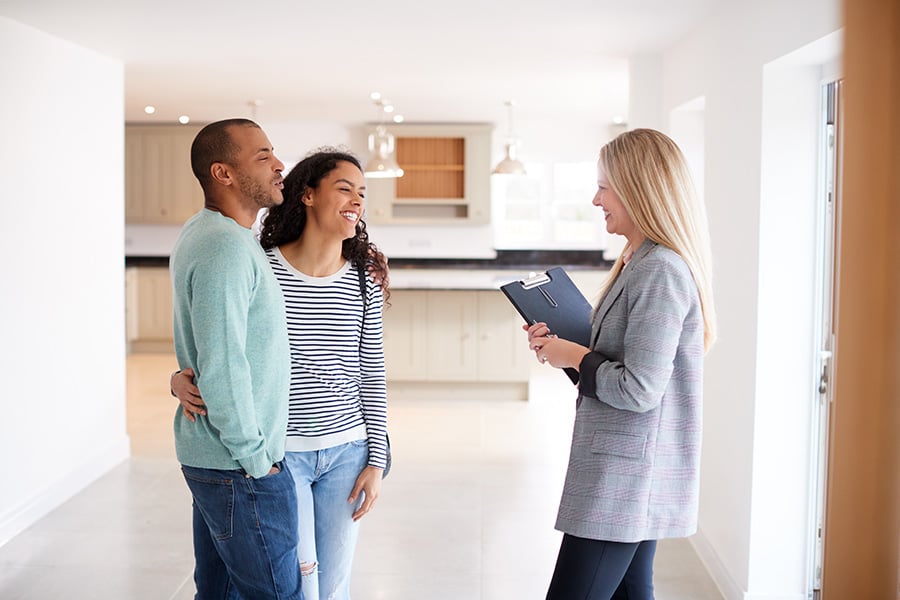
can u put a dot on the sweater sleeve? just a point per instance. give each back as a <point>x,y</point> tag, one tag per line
<point>659,295</point>
<point>373,390</point>
<point>221,292</point>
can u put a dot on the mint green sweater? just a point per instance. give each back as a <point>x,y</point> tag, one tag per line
<point>230,328</point>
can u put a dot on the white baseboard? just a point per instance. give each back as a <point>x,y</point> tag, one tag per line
<point>21,517</point>
<point>722,577</point>
<point>715,567</point>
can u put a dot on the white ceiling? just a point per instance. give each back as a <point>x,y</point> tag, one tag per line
<point>318,61</point>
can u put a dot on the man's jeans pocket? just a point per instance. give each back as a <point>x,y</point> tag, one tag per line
<point>213,493</point>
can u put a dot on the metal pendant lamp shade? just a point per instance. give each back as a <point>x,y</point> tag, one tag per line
<point>510,165</point>
<point>383,164</point>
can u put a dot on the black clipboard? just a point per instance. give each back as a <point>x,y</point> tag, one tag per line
<point>551,297</point>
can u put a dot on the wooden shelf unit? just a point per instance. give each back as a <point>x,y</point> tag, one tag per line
<point>434,167</point>
<point>446,176</point>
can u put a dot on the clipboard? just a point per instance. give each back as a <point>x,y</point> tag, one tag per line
<point>551,297</point>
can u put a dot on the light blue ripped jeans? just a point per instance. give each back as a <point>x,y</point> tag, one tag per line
<point>324,480</point>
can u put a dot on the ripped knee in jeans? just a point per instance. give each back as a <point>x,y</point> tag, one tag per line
<point>307,568</point>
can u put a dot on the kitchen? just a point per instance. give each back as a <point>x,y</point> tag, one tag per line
<point>435,279</point>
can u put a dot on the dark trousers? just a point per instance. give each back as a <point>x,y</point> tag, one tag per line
<point>598,570</point>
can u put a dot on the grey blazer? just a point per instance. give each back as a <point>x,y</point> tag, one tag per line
<point>633,470</point>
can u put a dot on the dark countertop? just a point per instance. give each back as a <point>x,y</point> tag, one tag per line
<point>526,260</point>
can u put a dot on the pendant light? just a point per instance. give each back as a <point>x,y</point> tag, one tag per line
<point>510,165</point>
<point>383,163</point>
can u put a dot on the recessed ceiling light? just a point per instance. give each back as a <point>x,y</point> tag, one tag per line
<point>184,119</point>
<point>149,109</point>
<point>398,118</point>
<point>375,96</point>
<point>618,119</point>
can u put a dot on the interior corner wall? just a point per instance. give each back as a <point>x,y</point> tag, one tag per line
<point>722,61</point>
<point>62,310</point>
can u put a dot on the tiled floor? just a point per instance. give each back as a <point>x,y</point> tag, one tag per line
<point>466,514</point>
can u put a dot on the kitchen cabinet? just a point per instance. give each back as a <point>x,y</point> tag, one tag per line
<point>160,187</point>
<point>404,335</point>
<point>454,336</point>
<point>148,309</point>
<point>503,353</point>
<point>447,177</point>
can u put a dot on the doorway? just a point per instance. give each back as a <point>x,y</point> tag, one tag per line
<point>828,199</point>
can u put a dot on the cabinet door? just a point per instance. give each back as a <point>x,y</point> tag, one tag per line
<point>502,344</point>
<point>478,176</point>
<point>134,177</point>
<point>187,195</point>
<point>159,184</point>
<point>405,336</point>
<point>158,166</point>
<point>131,304</point>
<point>148,305</point>
<point>153,305</point>
<point>452,335</point>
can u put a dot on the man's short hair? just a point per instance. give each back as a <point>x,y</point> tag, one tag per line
<point>214,144</point>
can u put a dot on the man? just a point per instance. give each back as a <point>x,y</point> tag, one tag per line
<point>230,329</point>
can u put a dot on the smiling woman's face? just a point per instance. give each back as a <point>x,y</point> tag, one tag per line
<point>618,220</point>
<point>337,204</point>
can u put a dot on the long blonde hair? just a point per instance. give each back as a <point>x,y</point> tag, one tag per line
<point>649,173</point>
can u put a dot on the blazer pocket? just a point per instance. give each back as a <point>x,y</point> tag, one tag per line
<point>617,443</point>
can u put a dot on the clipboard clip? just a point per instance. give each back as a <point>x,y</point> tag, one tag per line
<point>536,281</point>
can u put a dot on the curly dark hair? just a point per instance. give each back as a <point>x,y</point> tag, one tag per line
<point>285,222</point>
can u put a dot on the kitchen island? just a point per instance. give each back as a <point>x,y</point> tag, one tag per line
<point>448,329</point>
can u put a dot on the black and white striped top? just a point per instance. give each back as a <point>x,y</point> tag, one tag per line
<point>338,392</point>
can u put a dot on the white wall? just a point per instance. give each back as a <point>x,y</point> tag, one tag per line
<point>62,308</point>
<point>759,188</point>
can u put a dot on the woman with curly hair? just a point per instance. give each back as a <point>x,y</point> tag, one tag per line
<point>336,449</point>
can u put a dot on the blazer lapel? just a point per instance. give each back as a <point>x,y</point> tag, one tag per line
<point>616,290</point>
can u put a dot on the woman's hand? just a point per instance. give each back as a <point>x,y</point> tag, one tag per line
<point>549,349</point>
<point>369,483</point>
<point>183,388</point>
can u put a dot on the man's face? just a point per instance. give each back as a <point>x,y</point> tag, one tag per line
<point>257,169</point>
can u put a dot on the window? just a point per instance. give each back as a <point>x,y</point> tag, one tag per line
<point>549,208</point>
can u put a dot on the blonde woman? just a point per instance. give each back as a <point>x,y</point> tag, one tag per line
<point>633,474</point>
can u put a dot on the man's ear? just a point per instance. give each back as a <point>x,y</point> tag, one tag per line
<point>221,173</point>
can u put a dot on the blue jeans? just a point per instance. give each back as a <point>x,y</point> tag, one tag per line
<point>245,535</point>
<point>328,534</point>
<point>597,570</point>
